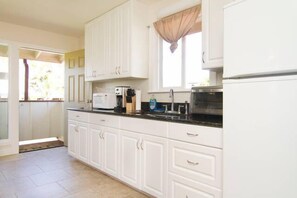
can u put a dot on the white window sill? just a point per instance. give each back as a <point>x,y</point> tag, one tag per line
<point>167,91</point>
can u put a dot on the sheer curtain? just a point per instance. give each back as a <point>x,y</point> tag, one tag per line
<point>176,26</point>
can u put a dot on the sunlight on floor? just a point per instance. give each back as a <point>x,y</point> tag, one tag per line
<point>38,141</point>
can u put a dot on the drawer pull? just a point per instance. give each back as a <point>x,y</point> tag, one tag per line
<point>102,120</point>
<point>137,145</point>
<point>192,163</point>
<point>141,145</point>
<point>192,134</point>
<point>77,116</point>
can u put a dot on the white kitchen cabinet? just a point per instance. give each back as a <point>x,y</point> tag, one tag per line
<point>180,187</point>
<point>212,33</point>
<point>111,145</point>
<point>96,146</point>
<point>122,49</point>
<point>154,165</point>
<point>104,144</point>
<point>199,163</point>
<point>130,158</point>
<point>78,140</point>
<point>78,135</point>
<point>95,49</point>
<point>83,142</point>
<point>72,138</point>
<point>143,160</point>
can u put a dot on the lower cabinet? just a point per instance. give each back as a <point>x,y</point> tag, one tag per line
<point>104,143</point>
<point>78,140</point>
<point>180,187</point>
<point>144,162</point>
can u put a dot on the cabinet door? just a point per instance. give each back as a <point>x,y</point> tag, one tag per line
<point>111,142</point>
<point>98,46</point>
<point>154,165</point>
<point>212,34</point>
<point>72,138</point>
<point>124,38</point>
<point>113,38</point>
<point>89,57</point>
<point>130,158</point>
<point>83,152</point>
<point>96,145</point>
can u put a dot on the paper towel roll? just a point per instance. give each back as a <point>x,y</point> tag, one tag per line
<point>138,100</point>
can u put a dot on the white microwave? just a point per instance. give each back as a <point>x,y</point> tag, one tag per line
<point>105,101</point>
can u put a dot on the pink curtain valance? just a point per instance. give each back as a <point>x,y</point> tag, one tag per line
<point>176,26</point>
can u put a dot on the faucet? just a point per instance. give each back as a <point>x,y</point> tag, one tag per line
<point>171,95</point>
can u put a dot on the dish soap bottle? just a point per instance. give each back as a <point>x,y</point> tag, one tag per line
<point>153,103</point>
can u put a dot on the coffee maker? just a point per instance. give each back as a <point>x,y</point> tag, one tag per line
<point>121,93</point>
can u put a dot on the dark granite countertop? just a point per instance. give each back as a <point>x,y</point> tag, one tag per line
<point>202,120</point>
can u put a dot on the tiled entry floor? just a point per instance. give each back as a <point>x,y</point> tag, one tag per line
<point>53,173</point>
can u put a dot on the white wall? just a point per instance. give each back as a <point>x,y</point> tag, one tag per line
<point>156,11</point>
<point>31,37</point>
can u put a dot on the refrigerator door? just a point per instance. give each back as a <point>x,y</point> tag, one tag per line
<point>260,37</point>
<point>260,138</point>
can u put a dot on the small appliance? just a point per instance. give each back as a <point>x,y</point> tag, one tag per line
<point>207,100</point>
<point>104,101</point>
<point>120,96</point>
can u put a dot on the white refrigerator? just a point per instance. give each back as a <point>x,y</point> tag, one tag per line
<point>260,99</point>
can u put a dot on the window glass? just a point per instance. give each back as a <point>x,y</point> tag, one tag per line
<point>172,66</point>
<point>46,80</point>
<point>183,68</point>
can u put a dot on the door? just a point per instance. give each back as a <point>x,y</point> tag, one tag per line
<point>96,146</point>
<point>83,143</point>
<point>154,165</point>
<point>72,138</point>
<point>130,158</point>
<point>78,92</point>
<point>111,143</point>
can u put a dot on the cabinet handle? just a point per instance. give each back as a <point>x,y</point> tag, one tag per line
<point>76,128</point>
<point>77,116</point>
<point>192,134</point>
<point>192,163</point>
<point>137,144</point>
<point>141,145</point>
<point>116,70</point>
<point>102,135</point>
<point>102,120</point>
<point>203,57</point>
<point>119,71</point>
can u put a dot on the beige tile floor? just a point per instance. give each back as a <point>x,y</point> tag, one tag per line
<point>53,173</point>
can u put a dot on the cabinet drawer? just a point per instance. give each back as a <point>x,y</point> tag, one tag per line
<point>180,187</point>
<point>78,116</point>
<point>200,163</point>
<point>208,136</point>
<point>105,120</point>
<point>151,127</point>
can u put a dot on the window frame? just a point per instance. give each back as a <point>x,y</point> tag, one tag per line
<point>183,87</point>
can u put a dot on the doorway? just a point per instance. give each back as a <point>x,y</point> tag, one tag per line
<point>41,99</point>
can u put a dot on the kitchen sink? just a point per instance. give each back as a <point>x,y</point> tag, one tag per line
<point>167,116</point>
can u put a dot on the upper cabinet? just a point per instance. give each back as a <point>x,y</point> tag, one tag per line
<point>212,33</point>
<point>116,44</point>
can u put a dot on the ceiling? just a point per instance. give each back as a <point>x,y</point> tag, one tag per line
<point>61,16</point>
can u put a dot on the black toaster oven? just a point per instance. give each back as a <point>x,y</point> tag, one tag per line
<point>207,100</point>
